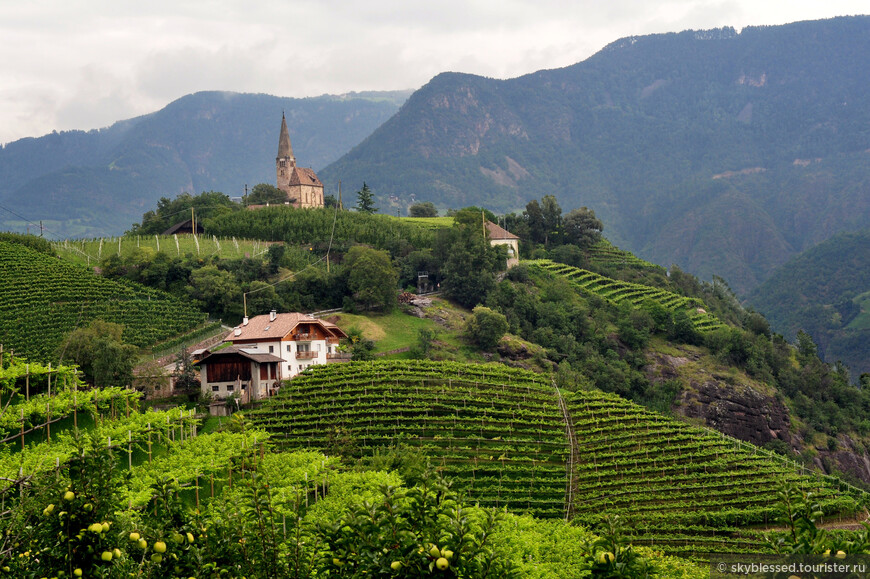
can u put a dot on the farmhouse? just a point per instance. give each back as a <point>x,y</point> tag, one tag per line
<point>304,190</point>
<point>298,339</point>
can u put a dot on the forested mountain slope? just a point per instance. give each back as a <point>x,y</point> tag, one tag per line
<point>825,291</point>
<point>725,153</point>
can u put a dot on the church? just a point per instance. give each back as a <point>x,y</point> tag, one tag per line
<point>304,190</point>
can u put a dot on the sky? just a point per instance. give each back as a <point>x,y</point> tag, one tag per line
<point>84,64</point>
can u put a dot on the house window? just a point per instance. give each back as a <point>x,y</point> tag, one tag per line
<point>244,387</point>
<point>288,347</point>
<point>271,349</point>
<point>215,388</point>
<point>230,387</point>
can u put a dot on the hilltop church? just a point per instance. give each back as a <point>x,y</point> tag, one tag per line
<point>304,190</point>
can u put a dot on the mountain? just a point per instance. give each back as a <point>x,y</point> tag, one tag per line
<point>720,151</point>
<point>825,291</point>
<point>98,182</point>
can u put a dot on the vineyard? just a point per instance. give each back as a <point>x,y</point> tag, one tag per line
<point>39,430</point>
<point>43,298</point>
<point>616,291</point>
<point>501,435</point>
<point>684,489</point>
<point>605,254</point>
<point>89,252</point>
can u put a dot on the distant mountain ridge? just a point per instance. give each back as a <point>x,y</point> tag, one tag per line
<point>825,291</point>
<point>725,153</point>
<point>99,182</point>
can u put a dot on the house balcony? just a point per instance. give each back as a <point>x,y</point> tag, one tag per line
<point>306,355</point>
<point>339,356</point>
<point>303,336</point>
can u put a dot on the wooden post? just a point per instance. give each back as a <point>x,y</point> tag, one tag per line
<point>48,420</point>
<point>27,381</point>
<point>129,450</point>
<point>22,429</point>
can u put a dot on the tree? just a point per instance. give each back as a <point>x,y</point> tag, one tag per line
<point>365,200</point>
<point>172,211</point>
<point>485,327</point>
<point>373,280</point>
<point>535,220</point>
<point>582,228</point>
<point>426,209</point>
<point>263,194</point>
<point>362,348</point>
<point>552,216</point>
<point>216,290</point>
<point>101,354</point>
<point>468,261</point>
<point>186,379</point>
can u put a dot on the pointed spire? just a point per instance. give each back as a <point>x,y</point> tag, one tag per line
<point>285,150</point>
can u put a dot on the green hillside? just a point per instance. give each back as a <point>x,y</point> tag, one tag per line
<point>42,298</point>
<point>616,291</point>
<point>502,435</point>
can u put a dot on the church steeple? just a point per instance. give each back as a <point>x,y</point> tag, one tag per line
<point>285,150</point>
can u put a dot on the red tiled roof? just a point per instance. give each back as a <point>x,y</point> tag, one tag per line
<point>262,328</point>
<point>304,176</point>
<point>496,232</point>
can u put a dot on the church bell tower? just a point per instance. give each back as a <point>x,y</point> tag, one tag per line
<point>285,161</point>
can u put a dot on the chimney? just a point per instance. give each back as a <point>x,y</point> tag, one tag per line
<point>245,321</point>
<point>272,315</point>
<point>237,332</point>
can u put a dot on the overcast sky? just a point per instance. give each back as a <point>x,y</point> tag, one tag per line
<point>83,64</point>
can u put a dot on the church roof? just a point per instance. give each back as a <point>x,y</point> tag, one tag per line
<point>285,150</point>
<point>304,176</point>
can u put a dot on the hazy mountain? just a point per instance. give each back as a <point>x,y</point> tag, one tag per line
<point>826,292</point>
<point>722,152</point>
<point>99,182</point>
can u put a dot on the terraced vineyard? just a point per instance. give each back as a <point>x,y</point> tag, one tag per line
<point>499,433</point>
<point>684,489</point>
<point>608,255</point>
<point>43,298</point>
<point>616,291</point>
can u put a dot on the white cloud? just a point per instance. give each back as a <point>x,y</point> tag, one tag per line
<point>86,64</point>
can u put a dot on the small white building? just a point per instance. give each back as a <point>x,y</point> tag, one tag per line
<point>500,236</point>
<point>299,340</point>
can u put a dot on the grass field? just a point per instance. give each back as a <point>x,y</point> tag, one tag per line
<point>430,222</point>
<point>390,332</point>
<point>91,251</point>
<point>862,321</point>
